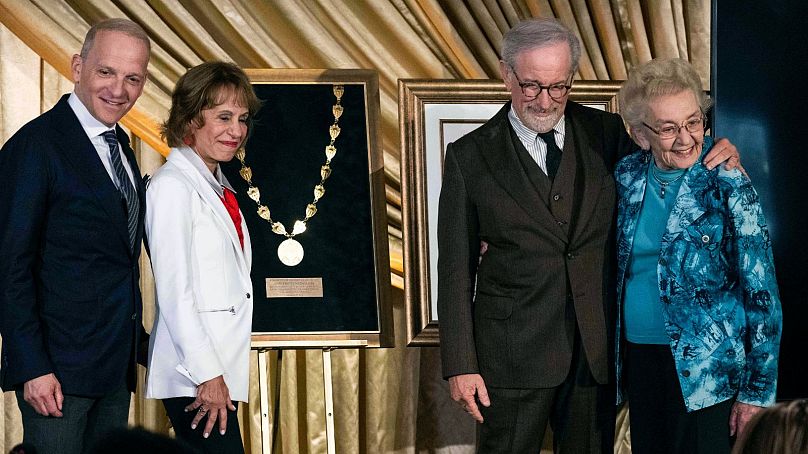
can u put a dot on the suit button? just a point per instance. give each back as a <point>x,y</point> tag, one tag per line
<point>685,373</point>
<point>561,222</point>
<point>571,255</point>
<point>556,197</point>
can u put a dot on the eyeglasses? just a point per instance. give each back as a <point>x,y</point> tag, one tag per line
<point>669,131</point>
<point>531,90</point>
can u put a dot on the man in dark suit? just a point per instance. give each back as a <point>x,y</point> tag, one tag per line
<point>525,228</point>
<point>71,224</point>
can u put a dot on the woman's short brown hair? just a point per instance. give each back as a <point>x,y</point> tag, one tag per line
<point>204,87</point>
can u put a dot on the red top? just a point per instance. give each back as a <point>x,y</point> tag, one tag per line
<point>231,205</point>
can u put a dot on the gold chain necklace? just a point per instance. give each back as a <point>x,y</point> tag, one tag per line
<point>290,251</point>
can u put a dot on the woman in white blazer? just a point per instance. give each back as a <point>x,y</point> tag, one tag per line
<point>200,254</point>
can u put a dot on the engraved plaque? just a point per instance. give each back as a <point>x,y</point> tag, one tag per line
<point>303,287</point>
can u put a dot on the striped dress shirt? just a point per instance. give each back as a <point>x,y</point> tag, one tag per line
<point>530,139</point>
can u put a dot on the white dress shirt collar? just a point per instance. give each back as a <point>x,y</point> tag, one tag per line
<point>94,130</point>
<point>92,127</point>
<point>536,147</point>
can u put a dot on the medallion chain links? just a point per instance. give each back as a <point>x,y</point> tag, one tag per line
<point>319,189</point>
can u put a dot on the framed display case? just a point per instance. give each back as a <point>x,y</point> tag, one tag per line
<point>314,202</point>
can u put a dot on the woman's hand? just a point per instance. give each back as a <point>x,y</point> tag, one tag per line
<point>213,400</point>
<point>739,417</point>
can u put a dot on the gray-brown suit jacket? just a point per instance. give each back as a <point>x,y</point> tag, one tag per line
<point>517,328</point>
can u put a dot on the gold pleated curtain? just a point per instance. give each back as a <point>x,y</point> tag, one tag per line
<point>390,400</point>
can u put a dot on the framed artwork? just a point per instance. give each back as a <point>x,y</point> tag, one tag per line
<point>432,114</point>
<point>311,188</point>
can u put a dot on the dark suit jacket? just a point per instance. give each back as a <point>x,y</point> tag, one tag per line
<point>514,329</point>
<point>69,281</point>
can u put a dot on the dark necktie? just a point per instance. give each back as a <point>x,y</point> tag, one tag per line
<point>124,185</point>
<point>553,153</point>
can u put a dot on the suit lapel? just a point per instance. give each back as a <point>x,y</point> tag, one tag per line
<point>77,149</point>
<point>632,184</point>
<point>247,251</point>
<point>537,177</point>
<point>590,169</point>
<point>211,198</point>
<point>504,164</point>
<point>687,208</point>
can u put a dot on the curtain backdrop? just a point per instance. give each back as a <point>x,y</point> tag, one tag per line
<point>390,400</point>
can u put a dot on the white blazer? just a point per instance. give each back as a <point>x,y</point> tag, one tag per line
<point>204,292</point>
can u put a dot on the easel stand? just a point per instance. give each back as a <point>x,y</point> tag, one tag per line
<point>269,425</point>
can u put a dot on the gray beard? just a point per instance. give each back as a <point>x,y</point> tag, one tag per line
<point>541,125</point>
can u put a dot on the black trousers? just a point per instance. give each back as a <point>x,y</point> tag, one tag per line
<point>659,419</point>
<point>229,443</point>
<point>580,411</point>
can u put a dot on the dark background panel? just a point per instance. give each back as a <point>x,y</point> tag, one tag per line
<point>759,69</point>
<point>285,151</point>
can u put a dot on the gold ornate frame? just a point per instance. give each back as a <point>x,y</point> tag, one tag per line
<point>415,96</point>
<point>383,337</point>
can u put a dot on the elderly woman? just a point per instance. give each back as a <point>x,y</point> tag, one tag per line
<point>200,254</point>
<point>699,310</point>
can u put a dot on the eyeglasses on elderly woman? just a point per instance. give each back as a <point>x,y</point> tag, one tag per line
<point>669,130</point>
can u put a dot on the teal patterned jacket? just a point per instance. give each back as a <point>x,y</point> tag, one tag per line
<point>716,283</point>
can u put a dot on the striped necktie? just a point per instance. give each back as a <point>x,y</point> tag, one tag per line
<point>124,185</point>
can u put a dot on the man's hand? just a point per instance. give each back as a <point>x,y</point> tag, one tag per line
<point>44,394</point>
<point>724,151</point>
<point>739,417</point>
<point>213,400</point>
<point>463,389</point>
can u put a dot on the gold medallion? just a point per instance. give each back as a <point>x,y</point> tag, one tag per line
<point>290,252</point>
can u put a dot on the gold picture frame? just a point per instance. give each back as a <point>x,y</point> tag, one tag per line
<point>433,113</point>
<point>301,95</point>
